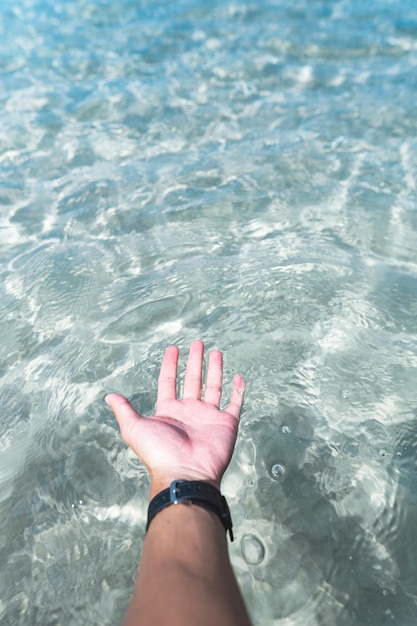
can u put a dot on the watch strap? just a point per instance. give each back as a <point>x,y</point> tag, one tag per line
<point>192,492</point>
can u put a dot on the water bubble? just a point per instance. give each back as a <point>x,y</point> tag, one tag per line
<point>285,429</point>
<point>277,470</point>
<point>253,550</point>
<point>346,394</point>
<point>383,453</point>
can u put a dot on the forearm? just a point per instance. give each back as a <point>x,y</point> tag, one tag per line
<point>185,577</point>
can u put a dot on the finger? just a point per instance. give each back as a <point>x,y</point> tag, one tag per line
<point>193,372</point>
<point>127,417</point>
<point>213,389</point>
<point>167,382</point>
<point>236,398</point>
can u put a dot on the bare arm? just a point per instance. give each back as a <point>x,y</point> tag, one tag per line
<point>185,577</point>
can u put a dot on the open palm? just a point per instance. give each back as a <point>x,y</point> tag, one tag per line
<point>188,438</point>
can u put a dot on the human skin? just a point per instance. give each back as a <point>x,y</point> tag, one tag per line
<point>185,576</point>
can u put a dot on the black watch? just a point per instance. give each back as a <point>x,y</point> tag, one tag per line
<point>192,492</point>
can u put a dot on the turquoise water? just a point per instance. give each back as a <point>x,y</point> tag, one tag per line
<point>242,172</point>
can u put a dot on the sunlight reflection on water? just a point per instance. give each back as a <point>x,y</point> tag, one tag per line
<point>241,173</point>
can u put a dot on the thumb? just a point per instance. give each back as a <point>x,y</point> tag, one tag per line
<point>127,417</point>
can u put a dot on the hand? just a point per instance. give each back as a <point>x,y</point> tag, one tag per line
<point>189,439</point>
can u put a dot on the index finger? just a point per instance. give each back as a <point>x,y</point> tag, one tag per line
<point>167,381</point>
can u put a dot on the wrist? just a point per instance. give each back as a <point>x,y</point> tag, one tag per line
<point>161,481</point>
<point>195,492</point>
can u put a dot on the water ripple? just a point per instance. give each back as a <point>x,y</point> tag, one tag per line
<point>178,170</point>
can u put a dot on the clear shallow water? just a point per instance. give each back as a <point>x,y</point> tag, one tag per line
<point>240,172</point>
